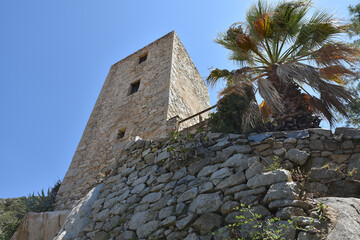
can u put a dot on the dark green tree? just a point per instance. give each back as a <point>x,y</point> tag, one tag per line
<point>354,27</point>
<point>237,112</point>
<point>353,108</point>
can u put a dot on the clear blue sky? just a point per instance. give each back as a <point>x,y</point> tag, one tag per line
<point>55,56</point>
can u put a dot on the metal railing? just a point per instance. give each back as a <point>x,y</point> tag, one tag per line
<point>197,114</point>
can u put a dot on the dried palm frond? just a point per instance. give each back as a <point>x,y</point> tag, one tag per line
<point>336,54</point>
<point>271,96</point>
<point>335,96</point>
<point>252,117</point>
<point>335,73</point>
<point>298,72</point>
<point>332,96</point>
<point>242,75</point>
<point>265,111</point>
<point>322,108</point>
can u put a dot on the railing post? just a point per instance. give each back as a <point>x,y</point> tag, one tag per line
<point>172,125</point>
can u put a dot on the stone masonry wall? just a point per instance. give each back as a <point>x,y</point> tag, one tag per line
<point>186,188</point>
<point>144,113</point>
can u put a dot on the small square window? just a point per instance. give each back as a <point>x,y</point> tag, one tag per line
<point>143,58</point>
<point>121,133</point>
<point>134,87</point>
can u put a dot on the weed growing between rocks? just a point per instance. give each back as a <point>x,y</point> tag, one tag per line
<point>301,178</point>
<point>113,229</point>
<point>321,212</point>
<point>251,225</point>
<point>183,147</point>
<point>276,164</point>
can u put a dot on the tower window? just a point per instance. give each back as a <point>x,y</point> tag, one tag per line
<point>121,133</point>
<point>143,58</point>
<point>134,87</point>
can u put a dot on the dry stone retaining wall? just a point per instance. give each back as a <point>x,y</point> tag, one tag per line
<point>190,188</point>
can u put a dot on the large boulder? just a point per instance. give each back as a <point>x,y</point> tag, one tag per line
<point>37,226</point>
<point>348,222</point>
<point>79,216</point>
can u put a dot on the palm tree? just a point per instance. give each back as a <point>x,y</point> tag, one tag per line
<point>283,53</point>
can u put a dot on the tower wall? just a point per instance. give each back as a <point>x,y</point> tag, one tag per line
<point>188,93</point>
<point>166,77</point>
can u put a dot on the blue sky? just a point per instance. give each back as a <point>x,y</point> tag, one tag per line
<point>55,56</point>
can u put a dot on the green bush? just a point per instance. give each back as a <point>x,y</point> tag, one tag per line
<point>252,226</point>
<point>235,114</point>
<point>13,210</point>
<point>43,202</point>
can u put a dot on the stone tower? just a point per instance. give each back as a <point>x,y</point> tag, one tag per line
<point>140,94</point>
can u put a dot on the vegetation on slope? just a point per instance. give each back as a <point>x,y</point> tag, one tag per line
<point>13,210</point>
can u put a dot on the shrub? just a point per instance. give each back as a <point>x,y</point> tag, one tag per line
<point>252,226</point>
<point>235,114</point>
<point>43,202</point>
<point>12,210</point>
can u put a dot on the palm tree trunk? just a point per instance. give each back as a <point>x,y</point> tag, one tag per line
<point>297,114</point>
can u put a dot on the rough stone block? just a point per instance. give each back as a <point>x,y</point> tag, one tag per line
<point>269,178</point>
<point>207,223</point>
<point>206,203</point>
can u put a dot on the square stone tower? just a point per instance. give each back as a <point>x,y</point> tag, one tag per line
<point>140,94</point>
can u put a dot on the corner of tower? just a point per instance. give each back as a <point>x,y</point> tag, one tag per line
<point>188,93</point>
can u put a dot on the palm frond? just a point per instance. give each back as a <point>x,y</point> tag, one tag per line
<point>271,96</point>
<point>265,111</point>
<point>289,16</point>
<point>243,75</point>
<point>252,117</point>
<point>332,96</point>
<point>242,89</point>
<point>316,32</point>
<point>228,40</point>
<point>336,53</point>
<point>335,73</point>
<point>320,107</point>
<point>217,74</point>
